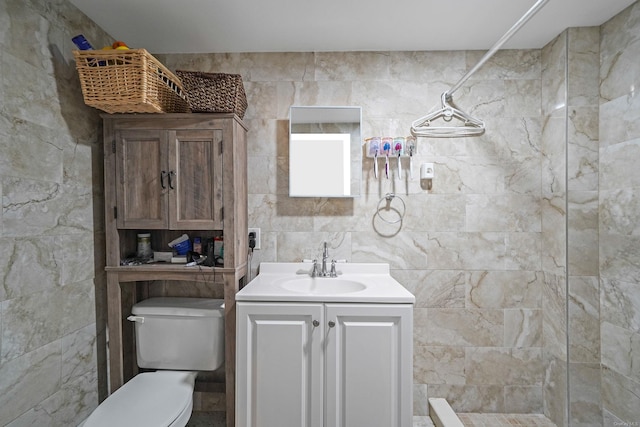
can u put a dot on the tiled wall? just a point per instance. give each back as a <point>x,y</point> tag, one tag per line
<point>51,239</point>
<point>470,249</point>
<point>483,251</point>
<point>619,221</point>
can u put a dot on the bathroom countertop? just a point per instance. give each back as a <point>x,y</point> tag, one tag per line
<point>355,283</point>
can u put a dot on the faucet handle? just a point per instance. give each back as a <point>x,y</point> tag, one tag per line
<point>333,273</point>
<point>314,270</point>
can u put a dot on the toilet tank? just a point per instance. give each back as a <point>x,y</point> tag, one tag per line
<point>179,333</point>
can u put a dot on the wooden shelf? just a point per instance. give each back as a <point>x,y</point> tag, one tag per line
<point>192,149</point>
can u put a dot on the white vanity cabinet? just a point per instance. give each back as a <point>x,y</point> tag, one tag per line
<point>315,364</point>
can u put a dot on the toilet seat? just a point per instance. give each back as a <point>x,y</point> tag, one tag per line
<point>150,399</point>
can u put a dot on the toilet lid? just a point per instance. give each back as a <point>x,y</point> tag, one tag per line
<point>153,399</point>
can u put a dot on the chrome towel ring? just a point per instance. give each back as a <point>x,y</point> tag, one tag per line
<point>388,199</point>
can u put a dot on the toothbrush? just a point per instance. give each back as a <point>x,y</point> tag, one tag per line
<point>411,161</point>
<point>398,149</point>
<point>375,164</point>
<point>386,149</point>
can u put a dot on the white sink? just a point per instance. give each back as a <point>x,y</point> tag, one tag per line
<point>321,285</point>
<point>356,283</point>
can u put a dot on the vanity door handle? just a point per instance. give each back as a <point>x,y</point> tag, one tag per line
<point>332,323</point>
<point>315,323</point>
<point>171,173</point>
<point>163,174</point>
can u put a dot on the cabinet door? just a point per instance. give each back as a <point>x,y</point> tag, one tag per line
<point>196,177</point>
<point>279,368</point>
<point>369,365</point>
<point>141,157</point>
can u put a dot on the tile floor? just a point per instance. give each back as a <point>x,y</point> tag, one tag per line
<point>217,419</point>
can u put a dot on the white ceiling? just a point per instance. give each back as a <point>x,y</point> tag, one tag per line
<point>213,26</point>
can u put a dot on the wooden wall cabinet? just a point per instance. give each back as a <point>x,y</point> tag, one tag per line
<point>169,179</point>
<point>168,174</point>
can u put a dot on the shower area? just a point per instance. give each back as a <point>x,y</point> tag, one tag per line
<point>590,247</point>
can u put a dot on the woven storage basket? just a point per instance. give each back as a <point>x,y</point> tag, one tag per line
<point>214,92</point>
<point>128,81</point>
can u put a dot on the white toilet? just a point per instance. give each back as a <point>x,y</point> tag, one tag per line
<point>177,336</point>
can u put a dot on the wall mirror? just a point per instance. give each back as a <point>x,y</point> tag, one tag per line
<point>325,151</point>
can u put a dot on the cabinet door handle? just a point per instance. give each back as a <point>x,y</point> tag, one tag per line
<point>163,174</point>
<point>315,323</point>
<point>171,173</point>
<point>332,323</point>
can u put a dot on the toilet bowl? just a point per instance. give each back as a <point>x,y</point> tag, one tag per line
<point>150,399</point>
<point>179,337</point>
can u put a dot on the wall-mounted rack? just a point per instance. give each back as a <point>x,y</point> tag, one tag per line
<point>389,147</point>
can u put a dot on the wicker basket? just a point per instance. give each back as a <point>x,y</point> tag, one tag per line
<point>214,92</point>
<point>128,81</point>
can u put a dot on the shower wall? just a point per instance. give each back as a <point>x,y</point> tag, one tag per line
<point>619,222</point>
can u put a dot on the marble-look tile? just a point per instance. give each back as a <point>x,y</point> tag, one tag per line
<point>274,213</point>
<point>522,328</point>
<point>435,212</point>
<point>620,256</point>
<point>30,265</point>
<point>585,395</point>
<point>29,153</point>
<point>352,66</point>
<point>584,319</point>
<point>462,327</point>
<point>583,233</point>
<point>523,399</point>
<point>619,50</point>
<point>620,395</point>
<point>512,212</point>
<point>466,251</point>
<point>618,166</point>
<point>617,211</point>
<point>582,149</point>
<point>554,234</point>
<point>554,325</point>
<point>620,350</point>
<point>620,303</point>
<point>404,250</point>
<point>78,354</point>
<point>30,322</point>
<point>296,246</point>
<point>445,67</point>
<point>553,60</point>
<point>434,288</point>
<point>521,98</point>
<point>265,172</point>
<point>523,251</point>
<point>555,389</point>
<point>28,380</point>
<point>504,366</point>
<point>470,398</point>
<point>420,400</point>
<point>438,365</point>
<point>619,120</point>
<point>67,407</point>
<point>507,64</point>
<point>33,208</point>
<point>554,160</point>
<point>583,66</point>
<point>504,289</point>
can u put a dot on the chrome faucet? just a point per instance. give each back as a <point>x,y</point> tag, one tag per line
<point>321,271</point>
<point>325,257</point>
